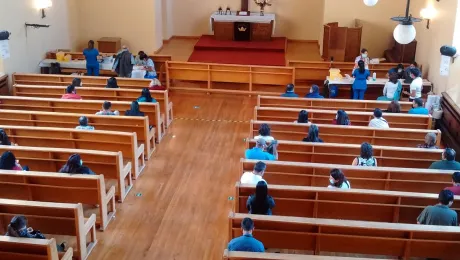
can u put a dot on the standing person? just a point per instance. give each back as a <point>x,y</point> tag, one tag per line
<point>407,78</point>
<point>430,142</point>
<point>392,89</point>
<point>364,57</point>
<point>417,108</point>
<point>91,54</point>
<point>246,243</point>
<point>71,93</point>
<point>259,153</point>
<point>149,66</point>
<point>83,124</point>
<point>112,83</point>
<point>260,203</point>
<point>440,214</point>
<point>8,162</point>
<point>378,121</point>
<point>448,161</point>
<point>106,110</point>
<point>394,107</point>
<point>366,157</point>
<point>337,180</point>
<point>359,87</point>
<point>265,133</point>
<point>124,63</point>
<point>313,135</point>
<point>302,118</point>
<point>455,184</point>
<point>134,110</point>
<point>416,86</point>
<point>290,91</point>
<point>314,92</point>
<point>341,118</point>
<point>255,176</point>
<point>146,96</point>
<point>75,165</point>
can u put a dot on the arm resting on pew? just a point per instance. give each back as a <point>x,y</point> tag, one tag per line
<point>68,254</point>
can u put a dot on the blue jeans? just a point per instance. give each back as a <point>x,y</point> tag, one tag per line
<point>358,93</point>
<point>92,70</point>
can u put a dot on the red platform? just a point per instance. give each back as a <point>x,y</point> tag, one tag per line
<point>266,53</point>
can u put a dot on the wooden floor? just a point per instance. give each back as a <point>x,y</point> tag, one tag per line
<point>182,202</point>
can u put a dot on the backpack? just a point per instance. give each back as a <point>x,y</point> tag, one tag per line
<point>333,91</point>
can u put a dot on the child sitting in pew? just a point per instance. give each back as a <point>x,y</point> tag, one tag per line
<point>260,203</point>
<point>75,166</point>
<point>337,180</point>
<point>83,121</point>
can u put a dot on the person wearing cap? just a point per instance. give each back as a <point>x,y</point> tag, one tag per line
<point>290,91</point>
<point>259,153</point>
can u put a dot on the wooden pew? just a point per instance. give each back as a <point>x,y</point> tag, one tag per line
<point>109,164</point>
<point>372,178</point>
<point>354,204</point>
<point>238,255</point>
<point>138,125</point>
<point>55,220</point>
<point>387,156</point>
<point>61,188</point>
<point>91,107</point>
<point>252,80</point>
<point>356,118</point>
<point>450,123</point>
<point>328,104</point>
<point>347,236</point>
<point>347,134</point>
<point>13,248</point>
<point>4,84</point>
<point>98,92</point>
<point>80,139</point>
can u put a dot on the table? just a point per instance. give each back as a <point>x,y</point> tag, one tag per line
<point>226,27</point>
<point>78,66</point>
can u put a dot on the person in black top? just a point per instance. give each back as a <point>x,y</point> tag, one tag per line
<point>260,203</point>
<point>134,111</point>
<point>313,135</point>
<point>112,83</point>
<point>342,118</point>
<point>18,228</point>
<point>303,117</point>
<point>4,140</point>
<point>75,166</point>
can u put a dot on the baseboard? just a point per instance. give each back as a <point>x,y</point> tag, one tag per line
<point>303,41</point>
<point>185,37</point>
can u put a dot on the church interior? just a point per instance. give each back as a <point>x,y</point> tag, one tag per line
<point>229,129</point>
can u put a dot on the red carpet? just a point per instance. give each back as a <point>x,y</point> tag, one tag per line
<point>270,53</point>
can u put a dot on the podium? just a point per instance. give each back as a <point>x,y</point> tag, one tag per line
<point>243,28</point>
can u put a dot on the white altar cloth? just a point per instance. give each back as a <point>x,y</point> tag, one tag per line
<point>255,17</point>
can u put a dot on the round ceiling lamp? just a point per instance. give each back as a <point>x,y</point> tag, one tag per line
<point>404,34</point>
<point>370,2</point>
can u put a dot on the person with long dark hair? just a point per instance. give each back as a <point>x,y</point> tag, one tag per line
<point>260,203</point>
<point>366,157</point>
<point>8,162</point>
<point>265,133</point>
<point>361,74</point>
<point>337,180</point>
<point>146,96</point>
<point>302,118</point>
<point>75,165</point>
<point>112,83</point>
<point>392,89</point>
<point>341,118</point>
<point>394,107</point>
<point>134,111</point>
<point>4,140</point>
<point>313,135</point>
<point>76,82</point>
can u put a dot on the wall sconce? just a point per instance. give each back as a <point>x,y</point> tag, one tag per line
<point>42,5</point>
<point>428,13</point>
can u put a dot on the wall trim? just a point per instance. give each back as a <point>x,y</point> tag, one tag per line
<point>304,41</point>
<point>186,37</point>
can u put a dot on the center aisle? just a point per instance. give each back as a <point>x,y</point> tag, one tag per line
<point>179,208</point>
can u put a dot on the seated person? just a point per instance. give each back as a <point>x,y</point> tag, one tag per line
<point>341,118</point>
<point>394,107</point>
<point>149,66</point>
<point>399,71</point>
<point>392,89</point>
<point>255,176</point>
<point>260,203</point>
<point>455,183</point>
<point>106,111</point>
<point>264,133</point>
<point>364,57</point>
<point>75,166</point>
<point>155,84</point>
<point>146,96</point>
<point>430,142</point>
<point>417,108</point>
<point>440,214</point>
<point>302,118</point>
<point>314,92</point>
<point>416,86</point>
<point>8,162</point>
<point>378,121</point>
<point>246,242</point>
<point>138,60</point>
<point>18,228</point>
<point>290,91</point>
<point>366,158</point>
<point>337,180</point>
<point>112,83</point>
<point>4,140</point>
<point>313,135</point>
<point>76,82</point>
<point>259,153</point>
<point>407,78</point>
<point>71,93</point>
<point>448,161</point>
<point>134,111</point>
<point>83,121</point>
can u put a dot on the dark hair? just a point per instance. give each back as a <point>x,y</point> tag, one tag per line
<point>394,78</point>
<point>135,107</point>
<point>366,151</point>
<point>142,55</point>
<point>4,140</point>
<point>361,67</point>
<point>303,117</point>
<point>260,167</point>
<point>107,105</point>
<point>146,94</point>
<point>83,121</point>
<point>260,203</point>
<point>414,63</point>
<point>338,175</point>
<point>70,89</point>
<point>449,154</point>
<point>76,82</point>
<point>432,139</point>
<point>415,72</point>
<point>342,118</point>
<point>91,42</point>
<point>315,88</point>
<point>419,102</point>
<point>290,87</point>
<point>313,134</point>
<point>7,161</point>
<point>400,66</point>
<point>394,107</point>
<point>445,197</point>
<point>247,224</point>
<point>378,113</point>
<point>264,130</point>
<point>73,164</point>
<point>363,50</point>
<point>17,223</point>
<point>112,83</point>
<point>456,177</point>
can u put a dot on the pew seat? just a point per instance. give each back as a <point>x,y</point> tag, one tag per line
<point>238,255</point>
<point>13,248</point>
<point>54,220</point>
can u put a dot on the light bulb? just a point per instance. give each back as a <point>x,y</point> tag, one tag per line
<point>404,34</point>
<point>42,4</point>
<point>428,13</point>
<point>370,2</point>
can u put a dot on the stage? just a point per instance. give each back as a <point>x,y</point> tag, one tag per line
<point>265,53</point>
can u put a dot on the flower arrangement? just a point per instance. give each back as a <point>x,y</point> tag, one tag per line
<point>262,4</point>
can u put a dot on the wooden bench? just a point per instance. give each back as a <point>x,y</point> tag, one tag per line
<point>356,118</point>
<point>346,236</point>
<point>354,204</point>
<point>98,92</point>
<point>347,134</point>
<point>91,107</point>
<point>238,255</point>
<point>4,84</point>
<point>250,80</point>
<point>372,178</point>
<point>387,156</point>
<point>62,188</point>
<point>61,221</point>
<point>109,164</point>
<point>81,139</point>
<point>138,125</point>
<point>328,104</point>
<point>13,248</point>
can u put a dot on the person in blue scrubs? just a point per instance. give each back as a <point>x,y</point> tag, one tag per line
<point>361,74</point>
<point>91,54</point>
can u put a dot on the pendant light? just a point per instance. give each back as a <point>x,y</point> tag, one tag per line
<point>405,32</point>
<point>370,2</point>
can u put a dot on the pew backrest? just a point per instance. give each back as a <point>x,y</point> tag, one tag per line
<point>239,255</point>
<point>13,248</point>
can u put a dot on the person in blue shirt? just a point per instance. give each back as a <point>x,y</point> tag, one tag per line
<point>91,54</point>
<point>246,242</point>
<point>417,108</point>
<point>314,92</point>
<point>149,66</point>
<point>361,74</point>
<point>259,153</point>
<point>146,96</point>
<point>290,91</point>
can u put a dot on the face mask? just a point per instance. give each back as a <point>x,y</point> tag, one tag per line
<point>364,55</point>
<point>81,162</point>
<point>331,181</point>
<point>400,70</point>
<point>311,90</point>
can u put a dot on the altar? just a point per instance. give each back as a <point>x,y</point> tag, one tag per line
<point>233,27</point>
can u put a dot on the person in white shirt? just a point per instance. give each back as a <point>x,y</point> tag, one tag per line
<point>378,121</point>
<point>416,86</point>
<point>256,175</point>
<point>264,133</point>
<point>364,57</point>
<point>337,180</point>
<point>391,86</point>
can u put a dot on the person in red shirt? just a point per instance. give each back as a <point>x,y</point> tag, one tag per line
<point>71,93</point>
<point>456,182</point>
